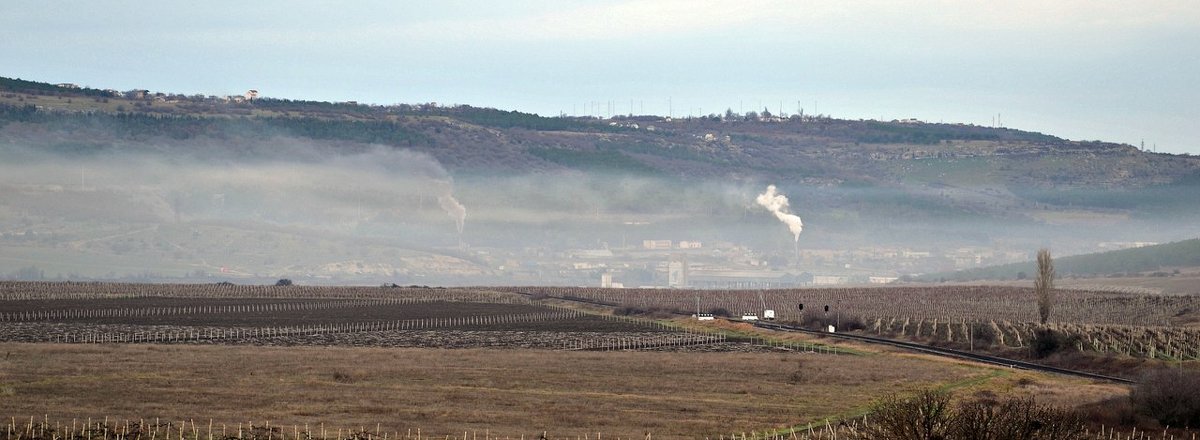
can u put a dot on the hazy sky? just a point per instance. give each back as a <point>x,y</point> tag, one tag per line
<point>1082,69</point>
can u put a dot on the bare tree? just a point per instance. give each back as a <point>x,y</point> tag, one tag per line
<point>1043,285</point>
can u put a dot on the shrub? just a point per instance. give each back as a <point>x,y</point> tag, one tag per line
<point>1015,419</point>
<point>821,321</point>
<point>1117,411</point>
<point>928,416</point>
<point>851,323</point>
<point>799,375</point>
<point>1047,342</point>
<point>653,312</point>
<point>627,311</point>
<point>344,377</point>
<point>924,416</point>
<point>283,282</point>
<point>983,334</point>
<point>1170,396</point>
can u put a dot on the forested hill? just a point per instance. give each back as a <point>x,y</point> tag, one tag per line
<point>814,149</point>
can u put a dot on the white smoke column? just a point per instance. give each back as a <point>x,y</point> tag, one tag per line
<point>456,210</point>
<point>778,205</point>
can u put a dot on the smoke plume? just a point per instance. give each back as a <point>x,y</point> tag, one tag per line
<point>778,205</point>
<point>455,210</point>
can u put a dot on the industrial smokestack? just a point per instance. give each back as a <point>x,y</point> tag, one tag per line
<point>778,205</point>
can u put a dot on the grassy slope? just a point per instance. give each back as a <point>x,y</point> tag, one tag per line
<point>1170,255</point>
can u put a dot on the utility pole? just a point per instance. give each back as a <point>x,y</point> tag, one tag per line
<point>839,315</point>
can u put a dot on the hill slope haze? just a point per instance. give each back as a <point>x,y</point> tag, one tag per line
<point>166,185</point>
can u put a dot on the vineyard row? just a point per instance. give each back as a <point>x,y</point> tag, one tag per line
<point>42,290</point>
<point>1168,343</point>
<point>127,312</point>
<point>292,331</point>
<point>189,430</point>
<point>957,303</point>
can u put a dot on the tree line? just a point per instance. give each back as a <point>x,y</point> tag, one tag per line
<point>147,125</point>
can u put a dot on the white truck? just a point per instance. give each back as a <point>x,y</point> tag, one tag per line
<point>768,314</point>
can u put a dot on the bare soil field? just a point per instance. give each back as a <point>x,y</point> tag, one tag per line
<point>445,392</point>
<point>381,322</point>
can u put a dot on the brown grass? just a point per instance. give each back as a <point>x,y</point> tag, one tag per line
<point>508,392</point>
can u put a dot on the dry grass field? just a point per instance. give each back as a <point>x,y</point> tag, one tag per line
<point>440,379</point>
<point>504,392</point>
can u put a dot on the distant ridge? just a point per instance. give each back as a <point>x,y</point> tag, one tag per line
<point>1184,253</point>
<point>813,150</point>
